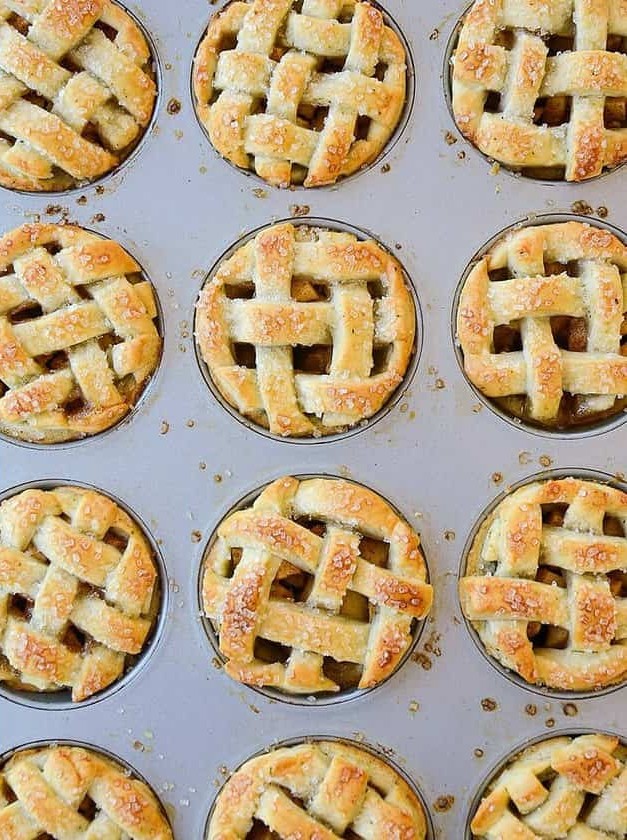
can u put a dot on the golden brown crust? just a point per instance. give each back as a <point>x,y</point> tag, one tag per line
<point>258,100</point>
<point>568,786</point>
<point>345,788</point>
<point>503,48</point>
<point>78,341</point>
<point>523,574</point>
<point>311,290</point>
<point>579,301</point>
<point>355,611</point>
<point>50,784</point>
<point>78,591</point>
<point>83,121</point>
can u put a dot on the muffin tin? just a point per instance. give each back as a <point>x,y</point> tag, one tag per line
<point>181,462</point>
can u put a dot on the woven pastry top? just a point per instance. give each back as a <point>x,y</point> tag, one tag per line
<point>300,91</point>
<point>62,792</point>
<point>78,340</point>
<point>324,567</point>
<point>78,591</point>
<point>76,91</point>
<point>546,584</point>
<point>562,787</point>
<point>306,331</point>
<point>320,791</point>
<point>542,87</point>
<point>542,326</point>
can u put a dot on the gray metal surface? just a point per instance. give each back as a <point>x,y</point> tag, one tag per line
<point>182,461</point>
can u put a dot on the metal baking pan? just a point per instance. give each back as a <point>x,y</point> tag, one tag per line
<point>180,462</point>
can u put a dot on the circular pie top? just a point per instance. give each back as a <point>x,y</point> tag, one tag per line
<point>306,331</point>
<point>78,340</point>
<point>63,791</point>
<point>300,91</point>
<point>322,790</point>
<point>78,591</point>
<point>542,87</point>
<point>545,584</point>
<point>566,786</point>
<point>77,91</point>
<point>321,568</point>
<point>542,327</point>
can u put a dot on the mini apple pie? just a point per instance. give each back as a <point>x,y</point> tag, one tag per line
<point>542,323</point>
<point>320,791</point>
<point>573,787</point>
<point>60,791</point>
<point>79,591</point>
<point>78,338</point>
<point>545,584</point>
<point>541,87</point>
<point>77,91</point>
<point>300,91</point>
<point>306,331</point>
<point>315,588</point>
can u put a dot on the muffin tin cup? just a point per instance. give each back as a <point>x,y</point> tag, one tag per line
<point>395,137</point>
<point>378,752</point>
<point>495,771</point>
<point>395,396</point>
<point>63,742</point>
<point>151,383</point>
<point>102,181</point>
<point>447,80</point>
<point>61,700</point>
<point>182,461</point>
<point>509,674</point>
<point>325,698</point>
<point>533,220</point>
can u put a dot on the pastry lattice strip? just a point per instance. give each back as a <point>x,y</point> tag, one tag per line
<point>319,790</point>
<point>564,787</point>
<point>52,791</point>
<point>74,605</point>
<point>47,110</point>
<point>504,49</point>
<point>281,268</point>
<point>584,593</point>
<point>253,98</point>
<point>531,300</point>
<point>77,337</point>
<point>249,606</point>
